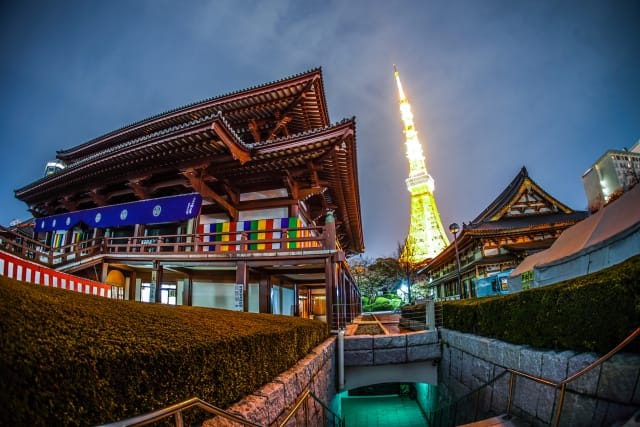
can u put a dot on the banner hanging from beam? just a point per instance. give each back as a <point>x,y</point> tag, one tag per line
<point>152,211</point>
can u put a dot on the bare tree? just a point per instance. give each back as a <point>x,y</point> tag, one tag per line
<point>407,268</point>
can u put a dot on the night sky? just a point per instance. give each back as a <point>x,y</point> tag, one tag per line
<point>494,85</point>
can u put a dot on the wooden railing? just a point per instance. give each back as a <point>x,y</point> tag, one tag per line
<point>291,239</point>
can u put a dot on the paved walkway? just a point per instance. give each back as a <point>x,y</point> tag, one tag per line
<point>383,411</point>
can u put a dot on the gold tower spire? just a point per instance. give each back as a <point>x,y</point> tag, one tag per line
<point>426,237</point>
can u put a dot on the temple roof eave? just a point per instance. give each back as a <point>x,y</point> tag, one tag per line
<point>496,209</point>
<point>163,119</point>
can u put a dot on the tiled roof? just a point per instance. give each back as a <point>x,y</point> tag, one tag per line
<point>151,124</point>
<point>524,222</point>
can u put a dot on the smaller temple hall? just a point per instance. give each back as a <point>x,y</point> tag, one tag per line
<point>524,219</point>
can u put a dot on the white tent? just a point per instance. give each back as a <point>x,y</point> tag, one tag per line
<point>606,238</point>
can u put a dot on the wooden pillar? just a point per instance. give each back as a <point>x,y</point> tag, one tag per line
<point>330,286</point>
<point>132,285</point>
<point>241,279</point>
<point>104,272</point>
<point>264,293</point>
<point>330,231</point>
<point>348,299</point>
<point>187,297</point>
<point>156,277</point>
<point>342,300</point>
<point>296,301</point>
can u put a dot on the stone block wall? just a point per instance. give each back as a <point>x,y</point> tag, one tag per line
<point>606,395</point>
<point>270,404</point>
<point>367,350</point>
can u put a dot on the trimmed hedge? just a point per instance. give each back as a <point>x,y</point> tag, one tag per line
<point>590,313</point>
<point>383,304</point>
<point>72,359</point>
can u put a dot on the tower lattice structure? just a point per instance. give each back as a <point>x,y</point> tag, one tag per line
<point>426,237</point>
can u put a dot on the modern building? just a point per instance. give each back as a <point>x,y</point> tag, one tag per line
<point>612,174</point>
<point>246,201</point>
<point>522,220</point>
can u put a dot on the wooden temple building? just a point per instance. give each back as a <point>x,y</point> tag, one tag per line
<point>522,220</point>
<point>246,201</point>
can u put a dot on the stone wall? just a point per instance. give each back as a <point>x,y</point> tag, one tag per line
<point>608,394</point>
<point>270,403</point>
<point>364,350</point>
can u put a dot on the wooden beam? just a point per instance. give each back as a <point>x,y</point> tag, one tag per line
<point>281,124</point>
<point>232,193</point>
<point>195,177</point>
<point>305,193</point>
<point>237,152</point>
<point>170,183</point>
<point>98,197</point>
<point>265,204</point>
<point>69,204</point>
<point>140,190</point>
<point>254,127</point>
<point>291,184</point>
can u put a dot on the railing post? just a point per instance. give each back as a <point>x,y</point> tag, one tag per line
<point>512,385</point>
<point>341,359</point>
<point>244,247</point>
<point>556,420</point>
<point>178,419</point>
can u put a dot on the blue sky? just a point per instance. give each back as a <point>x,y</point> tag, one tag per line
<point>494,85</point>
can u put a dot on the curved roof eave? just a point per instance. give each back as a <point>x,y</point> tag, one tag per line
<point>310,74</point>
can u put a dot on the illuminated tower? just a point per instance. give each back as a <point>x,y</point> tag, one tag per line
<point>426,237</point>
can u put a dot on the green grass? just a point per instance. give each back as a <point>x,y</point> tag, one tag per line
<point>73,359</point>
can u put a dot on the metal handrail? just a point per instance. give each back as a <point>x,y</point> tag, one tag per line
<point>562,385</point>
<point>303,398</point>
<point>176,410</point>
<point>335,416</point>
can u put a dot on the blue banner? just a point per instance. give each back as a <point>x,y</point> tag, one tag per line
<point>152,211</point>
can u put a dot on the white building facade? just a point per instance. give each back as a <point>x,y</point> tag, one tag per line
<point>612,174</point>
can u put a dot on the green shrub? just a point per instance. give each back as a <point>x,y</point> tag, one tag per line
<point>72,359</point>
<point>384,305</point>
<point>381,300</point>
<point>589,313</point>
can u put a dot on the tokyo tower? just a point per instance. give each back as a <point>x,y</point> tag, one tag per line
<point>426,237</point>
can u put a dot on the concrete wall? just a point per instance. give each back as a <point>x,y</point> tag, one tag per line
<point>605,395</point>
<point>269,404</point>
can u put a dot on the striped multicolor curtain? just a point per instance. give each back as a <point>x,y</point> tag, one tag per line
<point>58,239</point>
<point>256,231</point>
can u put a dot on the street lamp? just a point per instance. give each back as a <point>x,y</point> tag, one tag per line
<point>454,228</point>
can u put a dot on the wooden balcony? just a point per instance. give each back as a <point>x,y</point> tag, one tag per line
<point>271,242</point>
